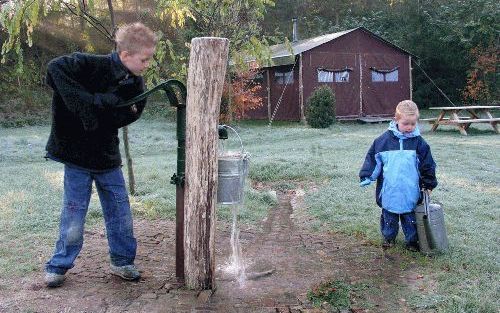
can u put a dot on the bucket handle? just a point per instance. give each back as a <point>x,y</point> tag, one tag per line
<point>237,135</point>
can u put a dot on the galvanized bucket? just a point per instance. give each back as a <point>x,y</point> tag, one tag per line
<point>233,170</point>
<point>431,230</point>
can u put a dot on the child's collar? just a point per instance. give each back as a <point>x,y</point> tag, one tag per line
<point>393,126</point>
<point>115,58</point>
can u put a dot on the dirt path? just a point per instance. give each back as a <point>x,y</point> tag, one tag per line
<point>300,259</point>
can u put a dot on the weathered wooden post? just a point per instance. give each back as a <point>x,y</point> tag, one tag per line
<point>207,68</point>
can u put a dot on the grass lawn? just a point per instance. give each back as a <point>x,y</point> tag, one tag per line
<point>286,155</point>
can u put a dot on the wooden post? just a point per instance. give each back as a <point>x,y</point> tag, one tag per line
<point>360,86</point>
<point>301,91</point>
<point>269,111</point>
<point>207,68</point>
<point>410,69</point>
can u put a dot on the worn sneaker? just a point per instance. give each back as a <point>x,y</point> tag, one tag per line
<point>388,243</point>
<point>128,272</point>
<point>53,280</point>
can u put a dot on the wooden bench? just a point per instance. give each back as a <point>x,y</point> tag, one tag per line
<point>455,116</point>
<point>478,120</point>
<point>431,120</point>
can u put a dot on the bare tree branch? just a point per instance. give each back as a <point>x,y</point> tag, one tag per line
<point>112,16</point>
<point>91,20</point>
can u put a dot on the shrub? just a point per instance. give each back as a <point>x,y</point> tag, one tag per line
<point>320,112</point>
<point>241,96</point>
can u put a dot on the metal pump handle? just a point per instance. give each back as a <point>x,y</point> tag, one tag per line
<point>165,86</point>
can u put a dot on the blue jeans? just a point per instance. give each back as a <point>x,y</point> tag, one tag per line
<point>389,226</point>
<point>117,216</point>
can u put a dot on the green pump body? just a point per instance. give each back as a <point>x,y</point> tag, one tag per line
<point>179,177</point>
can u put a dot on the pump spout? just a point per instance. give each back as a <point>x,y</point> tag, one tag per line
<point>222,132</point>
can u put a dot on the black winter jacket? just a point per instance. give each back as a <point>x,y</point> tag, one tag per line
<point>83,133</point>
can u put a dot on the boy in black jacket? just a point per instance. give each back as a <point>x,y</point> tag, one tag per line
<point>84,137</point>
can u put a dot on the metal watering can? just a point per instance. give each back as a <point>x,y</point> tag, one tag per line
<point>430,226</point>
<point>233,170</point>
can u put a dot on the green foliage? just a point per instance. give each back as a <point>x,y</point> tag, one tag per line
<point>168,61</point>
<point>33,108</point>
<point>335,293</point>
<point>440,33</point>
<point>254,48</point>
<point>14,15</point>
<point>237,20</point>
<point>23,97</point>
<point>320,110</point>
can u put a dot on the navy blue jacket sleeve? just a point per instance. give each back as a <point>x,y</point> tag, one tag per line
<point>426,166</point>
<point>369,164</point>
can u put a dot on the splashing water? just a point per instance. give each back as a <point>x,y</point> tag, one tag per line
<point>236,266</point>
<point>237,263</point>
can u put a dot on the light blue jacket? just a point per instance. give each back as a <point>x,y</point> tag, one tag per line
<point>401,164</point>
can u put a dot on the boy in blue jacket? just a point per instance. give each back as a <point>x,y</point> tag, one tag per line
<point>84,137</point>
<point>401,162</point>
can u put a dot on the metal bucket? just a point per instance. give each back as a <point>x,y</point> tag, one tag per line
<point>431,229</point>
<point>233,169</point>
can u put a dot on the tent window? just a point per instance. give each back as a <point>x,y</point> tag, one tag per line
<point>325,76</point>
<point>284,78</point>
<point>385,75</point>
<point>330,76</point>
<point>342,77</point>
<point>392,76</point>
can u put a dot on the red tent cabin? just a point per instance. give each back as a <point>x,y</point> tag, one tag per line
<point>368,75</point>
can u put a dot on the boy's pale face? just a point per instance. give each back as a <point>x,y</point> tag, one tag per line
<point>138,62</point>
<point>407,123</point>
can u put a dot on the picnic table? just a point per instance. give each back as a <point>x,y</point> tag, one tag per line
<point>464,116</point>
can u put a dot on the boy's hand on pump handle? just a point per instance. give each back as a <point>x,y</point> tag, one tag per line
<point>106,101</point>
<point>109,101</point>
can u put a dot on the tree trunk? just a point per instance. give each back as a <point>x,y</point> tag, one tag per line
<point>128,157</point>
<point>112,16</point>
<point>81,5</point>
<point>207,68</point>
<point>126,148</point>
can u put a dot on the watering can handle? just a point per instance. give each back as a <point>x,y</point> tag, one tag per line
<point>428,229</point>
<point>237,135</point>
<point>426,201</point>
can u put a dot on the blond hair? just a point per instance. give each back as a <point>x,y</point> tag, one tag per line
<point>406,108</point>
<point>134,38</point>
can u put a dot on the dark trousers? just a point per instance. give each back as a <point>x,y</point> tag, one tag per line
<point>389,226</point>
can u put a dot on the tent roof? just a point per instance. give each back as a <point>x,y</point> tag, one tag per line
<point>281,54</point>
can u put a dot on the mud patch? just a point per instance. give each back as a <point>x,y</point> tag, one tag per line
<point>293,258</point>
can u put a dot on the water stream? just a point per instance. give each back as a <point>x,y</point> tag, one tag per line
<point>236,267</point>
